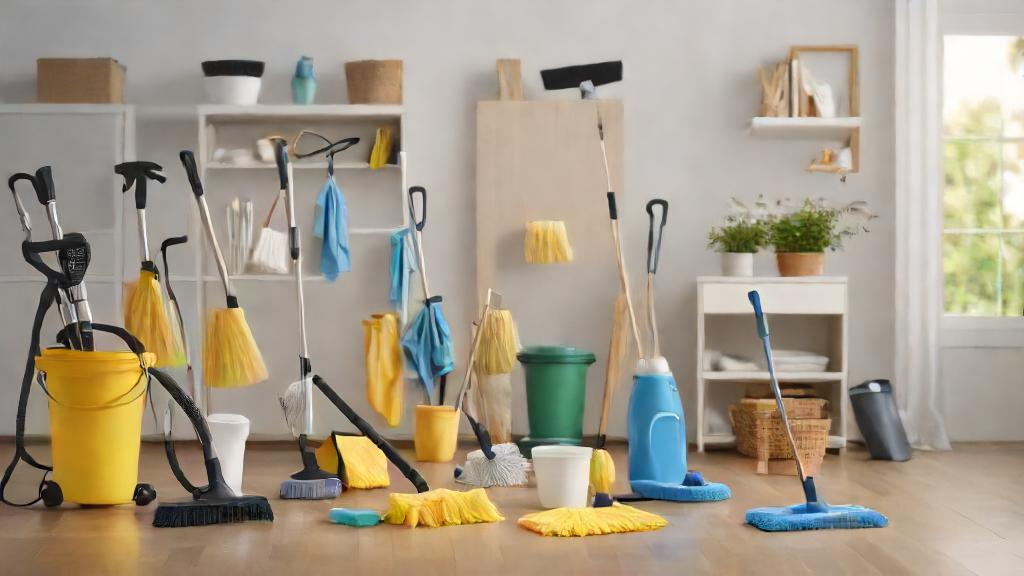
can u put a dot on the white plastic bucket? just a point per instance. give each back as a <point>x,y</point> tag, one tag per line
<point>237,90</point>
<point>563,475</point>
<point>229,433</point>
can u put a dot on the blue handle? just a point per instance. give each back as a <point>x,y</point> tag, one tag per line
<point>762,324</point>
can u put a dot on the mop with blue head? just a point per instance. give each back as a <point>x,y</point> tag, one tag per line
<point>815,513</point>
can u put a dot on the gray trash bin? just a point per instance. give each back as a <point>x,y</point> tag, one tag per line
<point>879,421</point>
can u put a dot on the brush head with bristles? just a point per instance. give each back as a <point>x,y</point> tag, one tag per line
<point>508,468</point>
<point>321,489</point>
<point>145,316</point>
<point>572,76</point>
<point>231,358</point>
<point>270,254</point>
<point>208,511</point>
<point>499,343</point>
<point>547,242</point>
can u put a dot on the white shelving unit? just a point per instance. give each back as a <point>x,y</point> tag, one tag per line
<point>807,313</point>
<point>241,126</point>
<point>804,128</point>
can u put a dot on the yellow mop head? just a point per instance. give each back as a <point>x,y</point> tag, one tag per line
<point>602,472</point>
<point>613,519</point>
<point>499,344</point>
<point>146,318</point>
<point>231,358</point>
<point>441,507</point>
<point>366,466</point>
<point>547,242</point>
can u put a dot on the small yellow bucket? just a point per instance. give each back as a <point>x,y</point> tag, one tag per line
<point>437,433</point>
<point>96,401</point>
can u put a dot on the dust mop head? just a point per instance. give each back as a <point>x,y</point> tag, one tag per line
<point>602,471</point>
<point>231,358</point>
<point>693,489</point>
<point>146,318</point>
<point>508,468</point>
<point>815,517</point>
<point>212,511</point>
<point>614,519</point>
<point>270,255</point>
<point>499,344</point>
<point>441,507</point>
<point>356,459</point>
<point>547,243</point>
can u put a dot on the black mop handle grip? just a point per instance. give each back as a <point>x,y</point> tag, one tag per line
<point>613,211</point>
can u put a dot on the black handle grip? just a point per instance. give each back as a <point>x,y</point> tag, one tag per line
<point>281,158</point>
<point>613,211</point>
<point>172,241</point>
<point>32,253</point>
<point>45,190</point>
<point>412,206</point>
<point>654,247</point>
<point>483,437</point>
<point>135,175</point>
<point>189,162</point>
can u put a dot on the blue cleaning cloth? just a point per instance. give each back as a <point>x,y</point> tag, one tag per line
<point>401,267</point>
<point>797,517</point>
<point>693,489</point>
<point>330,223</point>
<point>428,345</point>
<point>354,517</point>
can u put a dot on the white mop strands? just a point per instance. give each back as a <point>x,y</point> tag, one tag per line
<point>508,468</point>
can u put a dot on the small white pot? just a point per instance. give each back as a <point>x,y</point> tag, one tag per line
<point>737,264</point>
<point>229,433</point>
<point>237,90</point>
<point>563,475</point>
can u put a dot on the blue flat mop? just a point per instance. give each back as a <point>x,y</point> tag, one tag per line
<point>815,514</point>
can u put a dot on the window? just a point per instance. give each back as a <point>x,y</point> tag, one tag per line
<point>983,194</point>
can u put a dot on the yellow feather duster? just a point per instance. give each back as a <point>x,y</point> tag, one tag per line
<point>145,316</point>
<point>547,242</point>
<point>231,357</point>
<point>441,507</point>
<point>612,519</point>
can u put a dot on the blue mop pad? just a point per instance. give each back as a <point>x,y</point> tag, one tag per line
<point>814,517</point>
<point>354,517</point>
<point>693,489</point>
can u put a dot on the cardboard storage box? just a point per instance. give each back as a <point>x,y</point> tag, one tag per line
<point>79,81</point>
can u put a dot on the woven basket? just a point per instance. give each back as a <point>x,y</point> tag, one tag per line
<point>760,434</point>
<point>374,81</point>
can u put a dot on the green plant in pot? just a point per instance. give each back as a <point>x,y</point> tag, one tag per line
<point>801,237</point>
<point>738,240</point>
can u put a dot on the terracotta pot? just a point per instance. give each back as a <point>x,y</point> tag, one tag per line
<point>800,263</point>
<point>737,264</point>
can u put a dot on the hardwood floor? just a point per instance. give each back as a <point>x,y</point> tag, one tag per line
<point>951,513</point>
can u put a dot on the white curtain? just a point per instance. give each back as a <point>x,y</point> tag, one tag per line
<point>919,278</point>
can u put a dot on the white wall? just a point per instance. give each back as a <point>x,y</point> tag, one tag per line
<point>689,91</point>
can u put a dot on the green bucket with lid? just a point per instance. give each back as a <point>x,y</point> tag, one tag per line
<point>556,393</point>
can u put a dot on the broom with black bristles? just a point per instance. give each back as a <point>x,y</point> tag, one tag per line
<point>230,355</point>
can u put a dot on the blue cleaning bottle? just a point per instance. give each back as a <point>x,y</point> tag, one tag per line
<point>304,83</point>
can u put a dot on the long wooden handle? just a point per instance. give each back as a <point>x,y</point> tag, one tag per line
<point>613,368</point>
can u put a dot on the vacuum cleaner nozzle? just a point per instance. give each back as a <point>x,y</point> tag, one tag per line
<point>576,76</point>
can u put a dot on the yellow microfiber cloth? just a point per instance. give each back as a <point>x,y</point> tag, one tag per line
<point>382,145</point>
<point>441,507</point>
<point>613,519</point>
<point>366,466</point>
<point>383,354</point>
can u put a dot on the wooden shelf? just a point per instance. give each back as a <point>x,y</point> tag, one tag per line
<point>300,165</point>
<point>261,113</point>
<point>788,128</point>
<point>742,376</point>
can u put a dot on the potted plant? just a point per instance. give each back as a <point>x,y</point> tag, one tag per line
<point>738,240</point>
<point>801,237</point>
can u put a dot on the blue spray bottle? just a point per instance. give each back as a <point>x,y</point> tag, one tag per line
<point>304,83</point>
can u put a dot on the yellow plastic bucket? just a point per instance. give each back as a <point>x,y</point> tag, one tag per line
<point>437,433</point>
<point>96,401</point>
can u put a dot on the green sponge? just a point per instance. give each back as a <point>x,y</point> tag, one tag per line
<point>354,517</point>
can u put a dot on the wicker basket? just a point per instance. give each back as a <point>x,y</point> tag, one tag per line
<point>760,434</point>
<point>374,81</point>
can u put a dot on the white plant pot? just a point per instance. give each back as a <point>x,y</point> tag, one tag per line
<point>229,433</point>
<point>737,264</point>
<point>563,475</point>
<point>236,90</point>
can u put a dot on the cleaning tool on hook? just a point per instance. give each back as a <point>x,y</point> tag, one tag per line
<point>441,507</point>
<point>230,355</point>
<point>383,354</point>
<point>270,253</point>
<point>145,315</point>
<point>657,430</point>
<point>547,243</point>
<point>331,219</point>
<point>501,465</point>
<point>428,341</point>
<point>310,483</point>
<point>815,513</point>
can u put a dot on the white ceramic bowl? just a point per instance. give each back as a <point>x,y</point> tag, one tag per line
<point>236,90</point>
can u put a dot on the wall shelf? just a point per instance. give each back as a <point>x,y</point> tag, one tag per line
<point>299,165</point>
<point>825,129</point>
<point>738,376</point>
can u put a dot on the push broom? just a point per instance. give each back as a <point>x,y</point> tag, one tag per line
<point>230,355</point>
<point>815,513</point>
<point>145,315</point>
<point>310,483</point>
<point>491,465</point>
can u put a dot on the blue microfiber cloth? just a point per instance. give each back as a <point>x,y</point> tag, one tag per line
<point>401,267</point>
<point>693,489</point>
<point>816,517</point>
<point>330,223</point>
<point>354,517</point>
